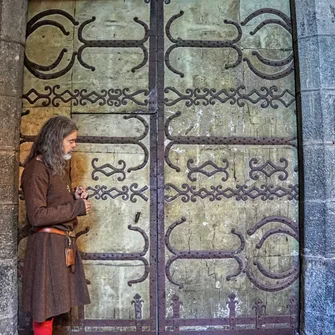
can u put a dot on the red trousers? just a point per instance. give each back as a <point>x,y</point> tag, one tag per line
<point>43,328</point>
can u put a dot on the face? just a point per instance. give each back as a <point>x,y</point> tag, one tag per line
<point>69,143</point>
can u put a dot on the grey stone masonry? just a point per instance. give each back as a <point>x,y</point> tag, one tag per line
<point>316,55</point>
<point>12,37</point>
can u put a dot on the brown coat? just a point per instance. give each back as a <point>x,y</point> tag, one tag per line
<point>49,287</point>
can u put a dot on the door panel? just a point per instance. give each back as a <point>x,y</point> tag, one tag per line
<point>188,148</point>
<point>102,82</point>
<point>231,193</point>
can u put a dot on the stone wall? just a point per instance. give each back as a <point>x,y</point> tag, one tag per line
<point>12,38</point>
<point>316,37</point>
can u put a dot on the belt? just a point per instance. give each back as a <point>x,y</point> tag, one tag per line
<point>56,231</point>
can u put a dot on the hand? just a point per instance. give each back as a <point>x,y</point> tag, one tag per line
<point>87,205</point>
<point>80,193</point>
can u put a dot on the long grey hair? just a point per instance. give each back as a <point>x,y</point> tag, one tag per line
<point>49,143</point>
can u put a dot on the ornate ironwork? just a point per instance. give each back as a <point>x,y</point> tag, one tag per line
<point>165,1</point>
<point>110,97</point>
<point>285,23</point>
<point>40,71</point>
<point>281,219</point>
<point>137,302</point>
<point>112,170</point>
<point>266,96</point>
<point>288,277</point>
<point>201,254</point>
<point>26,112</point>
<point>244,323</point>
<point>268,168</point>
<point>263,97</point>
<point>272,76</point>
<point>231,303</point>
<point>112,140</point>
<point>241,192</point>
<point>214,140</point>
<point>21,195</point>
<point>176,304</point>
<point>113,43</point>
<point>139,256</point>
<point>260,310</point>
<point>32,25</point>
<point>126,192</point>
<point>212,167</point>
<point>181,43</point>
<point>283,280</point>
<point>83,232</point>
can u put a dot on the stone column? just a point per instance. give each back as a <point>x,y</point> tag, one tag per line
<point>12,39</point>
<point>316,41</point>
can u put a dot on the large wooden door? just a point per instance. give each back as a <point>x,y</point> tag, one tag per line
<point>188,146</point>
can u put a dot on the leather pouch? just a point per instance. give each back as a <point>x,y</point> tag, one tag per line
<point>69,257</point>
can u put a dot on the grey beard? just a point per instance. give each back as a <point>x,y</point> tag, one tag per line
<point>67,156</point>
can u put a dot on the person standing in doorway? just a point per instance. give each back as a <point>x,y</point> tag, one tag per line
<point>53,274</point>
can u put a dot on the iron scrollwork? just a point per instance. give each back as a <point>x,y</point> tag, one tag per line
<point>210,96</point>
<point>286,278</point>
<point>112,170</point>
<point>212,166</point>
<point>202,254</point>
<point>111,97</point>
<point>113,44</point>
<point>41,71</point>
<point>181,43</point>
<point>126,256</point>
<point>124,140</point>
<point>241,192</point>
<point>283,21</point>
<point>214,140</point>
<point>268,169</point>
<point>283,279</point>
<point>33,24</point>
<point>112,140</point>
<point>126,192</point>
